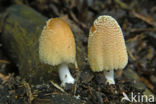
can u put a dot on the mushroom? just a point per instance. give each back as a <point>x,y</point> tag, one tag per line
<point>57,47</point>
<point>106,47</point>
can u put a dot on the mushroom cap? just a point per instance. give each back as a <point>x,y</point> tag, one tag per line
<point>106,45</point>
<point>56,43</point>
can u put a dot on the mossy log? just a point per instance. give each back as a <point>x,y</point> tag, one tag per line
<point>21,30</point>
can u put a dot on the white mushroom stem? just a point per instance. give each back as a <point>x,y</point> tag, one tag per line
<point>109,75</point>
<point>65,75</point>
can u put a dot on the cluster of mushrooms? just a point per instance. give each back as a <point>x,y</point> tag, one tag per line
<point>106,47</point>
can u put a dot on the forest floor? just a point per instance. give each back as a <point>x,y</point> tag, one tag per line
<point>137,19</point>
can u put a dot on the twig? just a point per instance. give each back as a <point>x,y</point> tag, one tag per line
<point>131,55</point>
<point>147,19</point>
<point>142,29</point>
<point>28,91</point>
<point>76,65</point>
<point>57,86</point>
<point>51,93</point>
<point>90,90</point>
<point>149,85</point>
<point>77,21</point>
<point>4,62</point>
<point>77,77</point>
<point>121,4</point>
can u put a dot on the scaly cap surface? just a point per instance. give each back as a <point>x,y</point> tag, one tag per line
<point>106,45</point>
<point>56,43</point>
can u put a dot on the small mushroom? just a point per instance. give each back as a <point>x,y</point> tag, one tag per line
<point>106,47</point>
<point>57,47</point>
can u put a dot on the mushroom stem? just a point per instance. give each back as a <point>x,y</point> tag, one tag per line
<point>65,75</point>
<point>109,75</point>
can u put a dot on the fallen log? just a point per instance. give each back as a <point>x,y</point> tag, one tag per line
<point>20,34</point>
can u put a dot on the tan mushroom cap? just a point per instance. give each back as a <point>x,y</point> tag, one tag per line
<point>106,45</point>
<point>57,44</point>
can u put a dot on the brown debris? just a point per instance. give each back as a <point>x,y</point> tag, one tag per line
<point>77,78</point>
<point>90,90</point>
<point>28,91</point>
<point>149,85</point>
<point>145,18</point>
<point>118,73</point>
<point>77,21</point>
<point>142,29</point>
<point>57,86</point>
<point>121,4</point>
<point>150,53</point>
<point>131,55</point>
<point>4,62</point>
<point>4,78</point>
